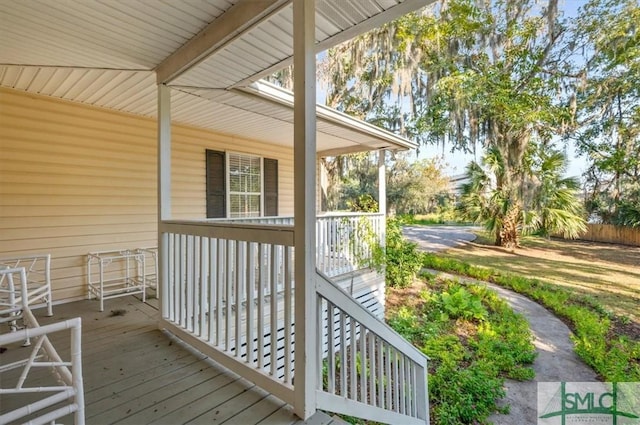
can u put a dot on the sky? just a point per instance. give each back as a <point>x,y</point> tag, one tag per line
<point>456,162</point>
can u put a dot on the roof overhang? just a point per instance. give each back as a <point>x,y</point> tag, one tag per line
<point>211,52</point>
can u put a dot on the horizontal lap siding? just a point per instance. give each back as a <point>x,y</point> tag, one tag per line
<point>189,183</point>
<point>75,179</point>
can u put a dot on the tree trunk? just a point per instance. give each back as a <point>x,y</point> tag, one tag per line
<point>508,235</point>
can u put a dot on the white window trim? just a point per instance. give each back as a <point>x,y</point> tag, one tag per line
<point>227,170</point>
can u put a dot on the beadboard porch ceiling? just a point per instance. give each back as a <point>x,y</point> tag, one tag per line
<point>111,54</point>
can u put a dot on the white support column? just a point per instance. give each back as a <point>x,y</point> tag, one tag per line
<point>164,189</point>
<point>382,182</point>
<point>304,172</point>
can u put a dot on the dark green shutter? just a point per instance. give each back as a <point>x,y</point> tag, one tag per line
<point>216,185</point>
<point>270,187</point>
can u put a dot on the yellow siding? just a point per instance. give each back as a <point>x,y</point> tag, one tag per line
<point>75,179</point>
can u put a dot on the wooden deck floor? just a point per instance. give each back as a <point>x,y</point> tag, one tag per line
<point>135,374</point>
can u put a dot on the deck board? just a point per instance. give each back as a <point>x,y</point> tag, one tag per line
<point>136,374</point>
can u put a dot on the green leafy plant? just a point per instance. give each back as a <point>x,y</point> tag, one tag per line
<point>461,303</point>
<point>473,339</point>
<point>615,358</point>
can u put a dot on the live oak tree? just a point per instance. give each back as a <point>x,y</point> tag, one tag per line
<point>473,74</point>
<point>606,44</point>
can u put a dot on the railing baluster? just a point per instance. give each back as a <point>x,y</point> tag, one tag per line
<point>168,293</point>
<point>320,341</point>
<point>229,295</point>
<point>408,385</point>
<point>380,373</point>
<point>390,381</point>
<point>188,324</point>
<point>288,319</point>
<point>363,364</point>
<point>183,281</point>
<point>343,354</point>
<point>262,283</point>
<point>221,296</point>
<point>273,299</point>
<point>175,278</point>
<point>204,292</point>
<point>196,286</point>
<point>213,286</point>
<point>402,383</point>
<point>414,386</point>
<point>353,377</point>
<point>239,296</point>
<point>331,366</point>
<point>372,370</point>
<point>250,291</point>
<point>396,381</point>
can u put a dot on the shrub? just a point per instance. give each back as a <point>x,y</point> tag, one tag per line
<point>402,259</point>
<point>459,302</point>
<point>474,340</point>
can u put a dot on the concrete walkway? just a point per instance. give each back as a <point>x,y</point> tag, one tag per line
<point>556,360</point>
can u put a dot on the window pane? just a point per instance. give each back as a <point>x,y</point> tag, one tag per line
<point>245,185</point>
<point>234,182</point>
<point>254,186</point>
<point>254,204</point>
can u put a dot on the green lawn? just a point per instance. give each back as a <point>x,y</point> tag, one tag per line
<point>608,273</point>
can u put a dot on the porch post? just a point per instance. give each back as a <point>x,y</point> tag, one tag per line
<point>304,172</point>
<point>382,182</point>
<point>164,189</point>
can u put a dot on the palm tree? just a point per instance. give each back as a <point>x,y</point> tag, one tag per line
<point>486,200</point>
<point>557,210</point>
<point>550,204</point>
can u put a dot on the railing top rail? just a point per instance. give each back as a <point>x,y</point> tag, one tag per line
<point>326,288</point>
<point>247,219</point>
<point>337,214</point>
<point>324,214</point>
<point>279,234</point>
<point>216,224</point>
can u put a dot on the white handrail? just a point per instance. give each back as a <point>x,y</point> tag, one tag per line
<point>371,371</point>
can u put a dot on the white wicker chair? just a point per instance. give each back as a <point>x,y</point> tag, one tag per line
<point>67,391</point>
<point>38,273</point>
<point>12,302</point>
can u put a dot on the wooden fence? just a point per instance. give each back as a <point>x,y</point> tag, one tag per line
<point>612,234</point>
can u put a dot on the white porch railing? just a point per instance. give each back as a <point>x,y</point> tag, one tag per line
<point>369,371</point>
<point>344,241</point>
<point>229,292</point>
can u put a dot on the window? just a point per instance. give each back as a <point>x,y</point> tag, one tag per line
<point>241,185</point>
<point>245,185</point>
